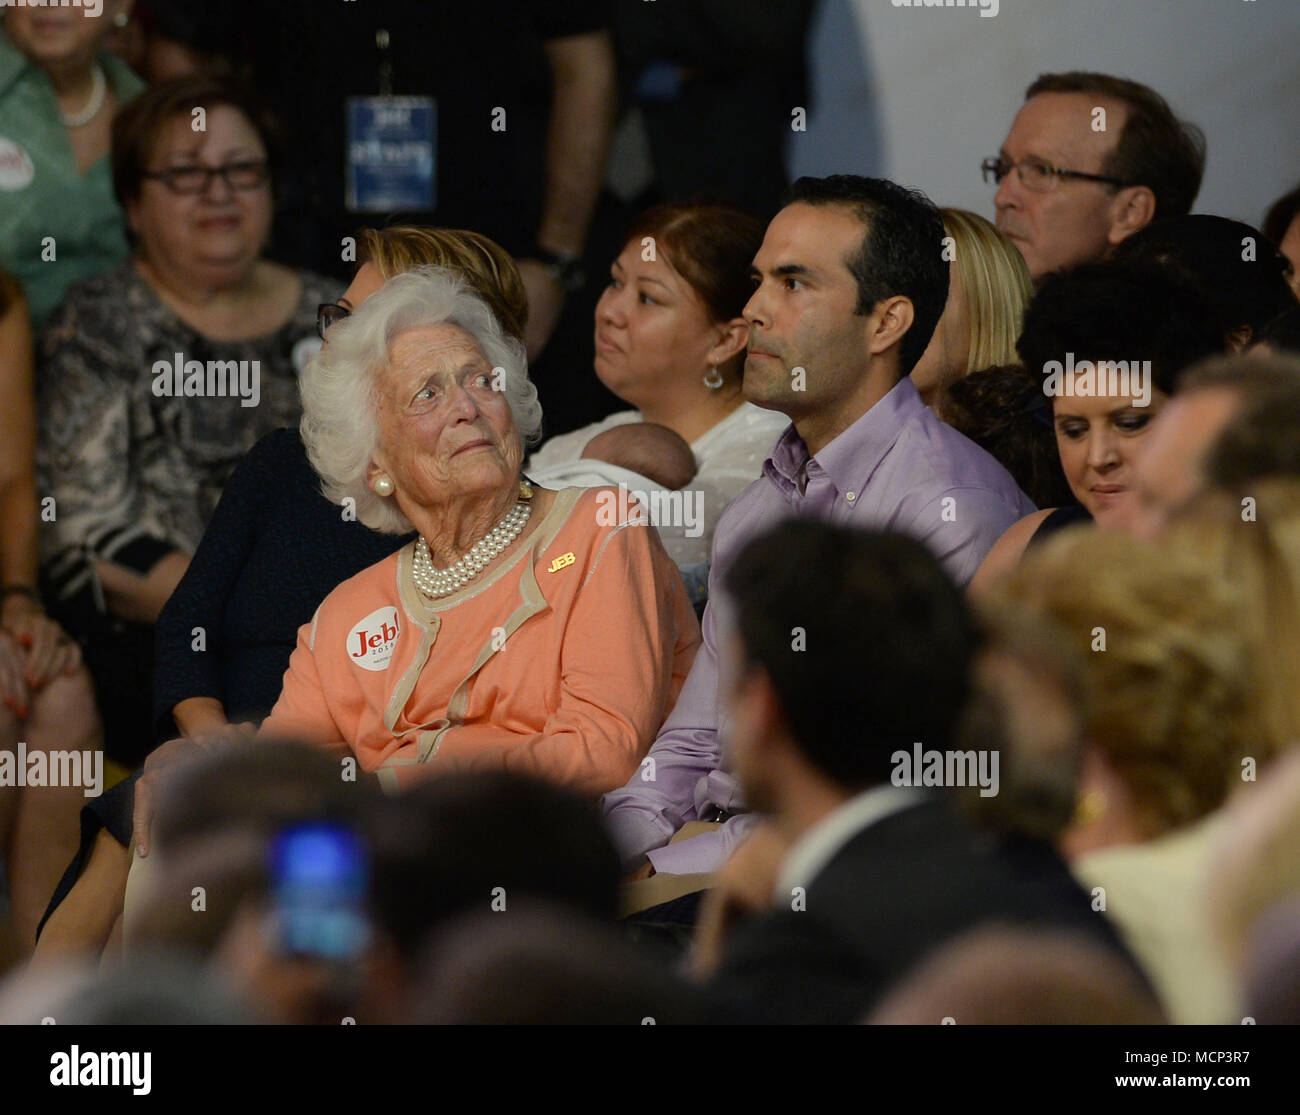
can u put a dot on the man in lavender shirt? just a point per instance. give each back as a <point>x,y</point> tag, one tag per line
<point>849,284</point>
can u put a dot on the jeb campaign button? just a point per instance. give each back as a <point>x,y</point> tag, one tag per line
<point>372,641</point>
<point>16,169</point>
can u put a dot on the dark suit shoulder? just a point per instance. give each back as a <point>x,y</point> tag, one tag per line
<point>924,872</point>
<point>896,891</point>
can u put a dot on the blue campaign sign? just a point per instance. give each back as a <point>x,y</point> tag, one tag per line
<point>391,154</point>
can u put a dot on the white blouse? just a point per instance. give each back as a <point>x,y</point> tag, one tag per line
<point>729,457</point>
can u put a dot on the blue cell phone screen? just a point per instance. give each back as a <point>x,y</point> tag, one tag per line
<point>319,877</point>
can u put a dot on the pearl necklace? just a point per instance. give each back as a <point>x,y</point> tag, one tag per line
<point>98,87</point>
<point>434,582</point>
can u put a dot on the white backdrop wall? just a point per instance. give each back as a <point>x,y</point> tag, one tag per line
<point>921,95</point>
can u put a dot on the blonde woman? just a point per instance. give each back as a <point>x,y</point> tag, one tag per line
<point>1170,718</point>
<point>988,290</point>
<point>1252,538</point>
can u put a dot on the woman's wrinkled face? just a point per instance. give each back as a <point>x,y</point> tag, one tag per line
<point>651,328</point>
<point>221,228</point>
<point>1099,440</point>
<point>445,429</point>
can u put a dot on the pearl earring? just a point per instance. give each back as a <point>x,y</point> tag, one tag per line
<point>713,380</point>
<point>383,486</point>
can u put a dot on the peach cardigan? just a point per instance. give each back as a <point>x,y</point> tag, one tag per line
<point>562,664</point>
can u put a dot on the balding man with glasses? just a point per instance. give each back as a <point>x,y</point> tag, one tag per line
<point>1090,159</point>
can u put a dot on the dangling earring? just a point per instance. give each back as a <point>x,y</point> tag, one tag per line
<point>713,380</point>
<point>383,486</point>
<point>121,20</point>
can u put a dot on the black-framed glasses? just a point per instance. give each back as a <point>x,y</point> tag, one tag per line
<point>327,313</point>
<point>245,175</point>
<point>1034,174</point>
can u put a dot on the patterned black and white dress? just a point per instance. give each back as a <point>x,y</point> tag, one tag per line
<point>134,473</point>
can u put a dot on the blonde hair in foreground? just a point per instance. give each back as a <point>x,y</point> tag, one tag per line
<point>1251,539</point>
<point>1167,665</point>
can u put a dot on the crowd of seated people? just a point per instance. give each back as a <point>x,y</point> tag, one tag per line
<point>918,644</point>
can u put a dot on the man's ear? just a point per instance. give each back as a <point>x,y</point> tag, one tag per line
<point>1134,208</point>
<point>733,336</point>
<point>888,322</point>
<point>757,700</point>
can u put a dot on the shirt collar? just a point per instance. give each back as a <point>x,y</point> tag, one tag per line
<point>852,457</point>
<point>823,842</point>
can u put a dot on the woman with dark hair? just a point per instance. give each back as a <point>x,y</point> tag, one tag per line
<point>670,342</point>
<point>160,375</point>
<point>1107,342</point>
<point>1001,410</point>
<point>1245,279</point>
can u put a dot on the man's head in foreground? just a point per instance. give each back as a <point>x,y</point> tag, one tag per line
<point>850,645</point>
<point>1235,419</point>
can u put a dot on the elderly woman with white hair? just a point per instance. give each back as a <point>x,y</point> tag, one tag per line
<point>523,628</point>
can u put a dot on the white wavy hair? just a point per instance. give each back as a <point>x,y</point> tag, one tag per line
<point>339,384</point>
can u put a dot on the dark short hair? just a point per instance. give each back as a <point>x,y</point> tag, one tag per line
<point>1120,310</point>
<point>1155,149</point>
<point>1001,409</point>
<point>1208,251</point>
<point>866,640</point>
<point>258,787</point>
<point>901,251</point>
<point>137,126</point>
<point>440,848</point>
<point>546,965</point>
<point>1280,215</point>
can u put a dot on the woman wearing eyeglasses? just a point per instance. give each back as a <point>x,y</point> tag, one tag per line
<point>161,374</point>
<point>59,88</point>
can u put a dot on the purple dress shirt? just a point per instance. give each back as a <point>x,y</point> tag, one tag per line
<point>898,467</point>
